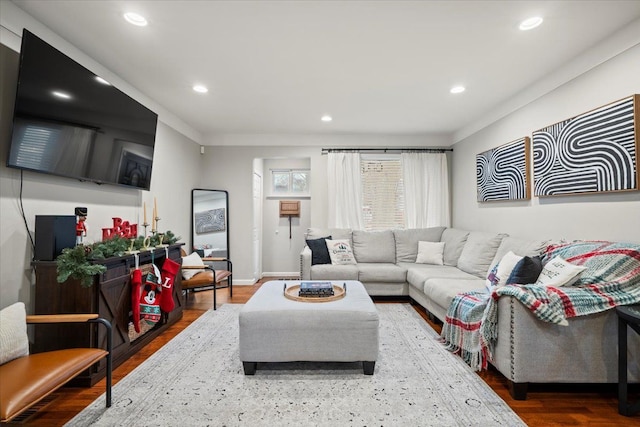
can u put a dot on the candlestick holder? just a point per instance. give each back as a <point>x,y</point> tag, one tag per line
<point>155,230</point>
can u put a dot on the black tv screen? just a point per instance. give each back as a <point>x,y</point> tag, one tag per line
<point>70,122</point>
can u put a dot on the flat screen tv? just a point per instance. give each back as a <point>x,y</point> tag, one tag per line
<point>68,121</point>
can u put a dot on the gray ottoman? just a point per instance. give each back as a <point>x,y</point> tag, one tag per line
<point>274,328</point>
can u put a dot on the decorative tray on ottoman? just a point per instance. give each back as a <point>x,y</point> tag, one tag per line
<point>292,292</point>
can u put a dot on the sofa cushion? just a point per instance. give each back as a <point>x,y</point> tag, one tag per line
<point>417,274</point>
<point>407,241</point>
<point>381,272</point>
<point>454,240</point>
<point>521,247</point>
<point>442,290</point>
<point>478,252</point>
<point>319,251</point>
<point>14,341</point>
<point>336,233</point>
<point>340,251</point>
<point>334,272</point>
<point>374,246</point>
<point>430,253</point>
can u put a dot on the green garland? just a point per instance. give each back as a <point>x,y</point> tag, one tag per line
<point>76,262</point>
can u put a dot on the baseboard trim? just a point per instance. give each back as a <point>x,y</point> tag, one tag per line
<point>288,274</point>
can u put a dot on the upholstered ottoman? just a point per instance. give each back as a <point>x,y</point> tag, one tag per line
<point>274,328</point>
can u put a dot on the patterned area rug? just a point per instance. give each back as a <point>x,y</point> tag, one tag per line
<point>197,380</point>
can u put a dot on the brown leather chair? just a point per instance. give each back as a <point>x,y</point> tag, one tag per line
<point>28,379</point>
<point>210,277</point>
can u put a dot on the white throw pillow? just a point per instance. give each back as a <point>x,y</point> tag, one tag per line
<point>559,272</point>
<point>430,253</point>
<point>502,270</point>
<point>340,252</point>
<point>192,260</point>
<point>506,266</point>
<point>14,341</point>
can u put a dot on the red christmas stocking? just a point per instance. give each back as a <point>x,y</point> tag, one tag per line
<point>136,281</point>
<point>150,300</point>
<point>169,270</point>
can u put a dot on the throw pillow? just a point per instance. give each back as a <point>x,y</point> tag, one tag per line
<point>502,270</point>
<point>559,272</point>
<point>526,271</point>
<point>319,251</point>
<point>340,252</point>
<point>192,260</point>
<point>430,253</point>
<point>14,341</point>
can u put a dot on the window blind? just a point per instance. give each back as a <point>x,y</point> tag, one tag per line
<point>382,192</point>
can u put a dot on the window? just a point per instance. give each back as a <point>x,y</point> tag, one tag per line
<point>382,192</point>
<point>290,182</point>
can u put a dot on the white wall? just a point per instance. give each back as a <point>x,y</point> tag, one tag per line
<point>173,176</point>
<point>602,216</point>
<point>281,254</point>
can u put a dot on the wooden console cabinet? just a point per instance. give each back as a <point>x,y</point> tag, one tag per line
<point>110,297</point>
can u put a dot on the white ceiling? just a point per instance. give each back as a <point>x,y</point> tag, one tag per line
<point>378,67</point>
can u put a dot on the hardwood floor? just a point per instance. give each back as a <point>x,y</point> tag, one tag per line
<point>546,405</point>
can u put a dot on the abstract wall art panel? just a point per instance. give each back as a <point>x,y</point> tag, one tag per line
<point>590,153</point>
<point>210,221</point>
<point>502,173</point>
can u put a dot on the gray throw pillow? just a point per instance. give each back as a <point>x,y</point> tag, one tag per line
<point>319,251</point>
<point>526,271</point>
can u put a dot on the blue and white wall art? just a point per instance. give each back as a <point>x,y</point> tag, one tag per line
<point>593,152</point>
<point>502,173</point>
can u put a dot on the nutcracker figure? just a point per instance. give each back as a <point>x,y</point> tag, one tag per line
<point>81,227</point>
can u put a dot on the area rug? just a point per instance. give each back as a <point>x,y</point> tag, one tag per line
<point>197,380</point>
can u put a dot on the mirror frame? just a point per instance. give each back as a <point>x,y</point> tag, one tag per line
<point>193,216</point>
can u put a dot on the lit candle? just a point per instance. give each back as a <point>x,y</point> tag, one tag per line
<point>145,211</point>
<point>155,208</point>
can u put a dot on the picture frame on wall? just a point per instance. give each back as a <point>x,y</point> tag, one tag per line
<point>502,173</point>
<point>594,152</point>
<point>210,221</point>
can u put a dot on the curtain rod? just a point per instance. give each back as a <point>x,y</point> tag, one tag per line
<point>386,150</point>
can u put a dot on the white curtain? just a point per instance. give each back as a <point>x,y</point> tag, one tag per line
<point>344,191</point>
<point>426,189</point>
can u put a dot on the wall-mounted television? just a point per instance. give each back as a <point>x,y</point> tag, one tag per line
<point>68,121</point>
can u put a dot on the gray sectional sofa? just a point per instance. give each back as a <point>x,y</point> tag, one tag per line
<point>527,350</point>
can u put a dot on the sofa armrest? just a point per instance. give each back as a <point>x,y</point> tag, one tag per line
<point>305,263</point>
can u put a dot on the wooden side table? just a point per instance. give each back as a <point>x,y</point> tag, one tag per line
<point>628,315</point>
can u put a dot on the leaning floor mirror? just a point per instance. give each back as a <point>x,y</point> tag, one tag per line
<point>210,223</point>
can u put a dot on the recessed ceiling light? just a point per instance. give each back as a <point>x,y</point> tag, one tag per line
<point>530,23</point>
<point>200,89</point>
<point>326,118</point>
<point>62,95</point>
<point>103,81</point>
<point>457,89</point>
<point>135,19</point>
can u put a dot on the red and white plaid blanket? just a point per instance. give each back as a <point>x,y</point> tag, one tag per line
<point>611,278</point>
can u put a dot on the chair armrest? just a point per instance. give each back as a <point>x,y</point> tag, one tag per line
<point>305,263</point>
<point>220,259</point>
<point>60,318</point>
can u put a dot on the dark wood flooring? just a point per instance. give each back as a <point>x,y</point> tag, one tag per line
<point>546,405</point>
